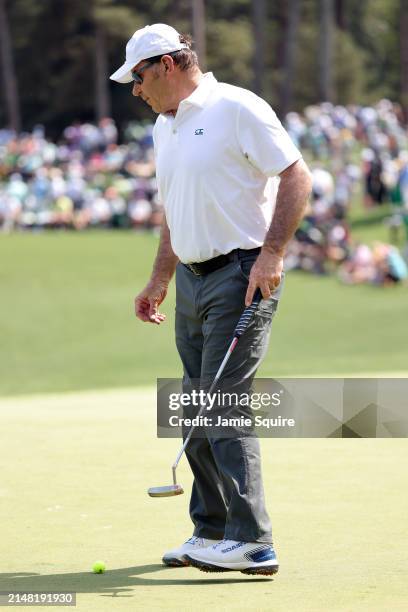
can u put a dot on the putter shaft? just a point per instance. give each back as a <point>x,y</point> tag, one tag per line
<point>242,325</point>
<point>203,406</point>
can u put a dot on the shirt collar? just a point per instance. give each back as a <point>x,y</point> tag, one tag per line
<point>202,91</point>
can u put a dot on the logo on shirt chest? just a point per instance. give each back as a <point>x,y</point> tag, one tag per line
<point>199,132</point>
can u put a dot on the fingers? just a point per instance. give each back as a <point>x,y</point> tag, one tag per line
<point>266,287</point>
<point>153,310</point>
<point>265,290</point>
<point>250,293</point>
<point>276,280</point>
<point>146,311</point>
<point>157,319</point>
<point>154,315</point>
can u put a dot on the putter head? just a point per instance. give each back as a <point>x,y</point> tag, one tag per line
<point>167,491</point>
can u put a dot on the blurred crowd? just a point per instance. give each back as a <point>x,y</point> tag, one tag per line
<point>333,134</point>
<point>352,150</point>
<point>89,179</point>
<point>85,180</point>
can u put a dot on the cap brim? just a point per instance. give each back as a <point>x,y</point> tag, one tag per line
<point>122,75</point>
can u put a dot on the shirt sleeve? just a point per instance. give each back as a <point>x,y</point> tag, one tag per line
<point>263,140</point>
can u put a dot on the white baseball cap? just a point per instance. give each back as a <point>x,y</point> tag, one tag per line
<point>157,39</point>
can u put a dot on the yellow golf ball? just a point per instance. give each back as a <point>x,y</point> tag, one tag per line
<point>99,567</point>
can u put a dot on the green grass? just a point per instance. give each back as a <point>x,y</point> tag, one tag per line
<point>67,318</point>
<point>74,491</point>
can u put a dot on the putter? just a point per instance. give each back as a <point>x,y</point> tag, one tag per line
<point>245,319</point>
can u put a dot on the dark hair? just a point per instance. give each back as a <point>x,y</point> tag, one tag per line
<point>184,59</point>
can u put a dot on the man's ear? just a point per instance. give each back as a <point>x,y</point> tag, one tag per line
<point>168,63</point>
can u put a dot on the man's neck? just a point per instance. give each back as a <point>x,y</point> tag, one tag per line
<point>188,83</point>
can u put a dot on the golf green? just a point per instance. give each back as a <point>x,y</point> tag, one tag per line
<point>67,322</point>
<point>75,470</point>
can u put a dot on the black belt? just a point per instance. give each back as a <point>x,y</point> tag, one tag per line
<point>206,267</point>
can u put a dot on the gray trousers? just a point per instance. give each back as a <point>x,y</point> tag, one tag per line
<point>227,499</point>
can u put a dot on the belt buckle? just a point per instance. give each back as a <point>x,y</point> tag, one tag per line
<point>192,268</point>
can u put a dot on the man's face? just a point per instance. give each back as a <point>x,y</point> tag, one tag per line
<point>154,87</point>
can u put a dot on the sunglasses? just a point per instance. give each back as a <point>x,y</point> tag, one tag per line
<point>152,60</point>
<point>136,73</point>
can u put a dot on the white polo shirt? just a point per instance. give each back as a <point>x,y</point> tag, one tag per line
<point>217,163</point>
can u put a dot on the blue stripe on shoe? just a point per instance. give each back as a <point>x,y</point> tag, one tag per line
<point>267,554</point>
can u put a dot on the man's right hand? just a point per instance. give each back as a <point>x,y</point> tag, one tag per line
<point>148,301</point>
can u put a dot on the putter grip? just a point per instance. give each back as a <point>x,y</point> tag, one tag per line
<point>247,314</point>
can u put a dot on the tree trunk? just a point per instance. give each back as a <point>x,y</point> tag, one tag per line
<point>341,14</point>
<point>325,50</point>
<point>198,19</point>
<point>258,25</point>
<point>9,75</point>
<point>288,67</point>
<point>404,56</point>
<point>102,95</point>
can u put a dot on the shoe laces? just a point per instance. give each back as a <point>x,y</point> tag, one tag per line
<point>193,540</point>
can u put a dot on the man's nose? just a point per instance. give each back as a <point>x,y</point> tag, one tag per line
<point>136,89</point>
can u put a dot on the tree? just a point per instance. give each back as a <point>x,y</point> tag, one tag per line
<point>404,56</point>
<point>198,23</point>
<point>341,14</point>
<point>8,72</point>
<point>288,67</point>
<point>102,95</point>
<point>64,51</point>
<point>325,58</point>
<point>108,19</point>
<point>258,26</point>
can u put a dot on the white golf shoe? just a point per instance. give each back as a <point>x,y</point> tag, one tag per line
<point>229,555</point>
<point>176,557</point>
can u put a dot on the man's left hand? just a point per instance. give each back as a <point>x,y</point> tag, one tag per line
<point>266,274</point>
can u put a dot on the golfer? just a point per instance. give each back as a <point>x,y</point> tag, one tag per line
<point>219,151</point>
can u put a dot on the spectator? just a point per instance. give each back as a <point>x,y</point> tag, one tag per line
<point>88,179</point>
<point>85,180</point>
